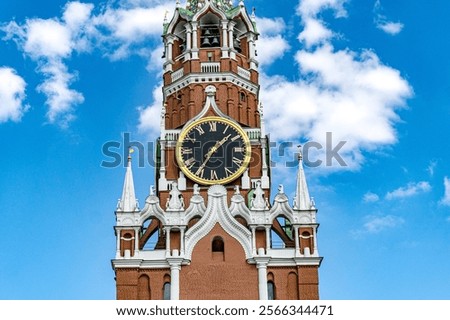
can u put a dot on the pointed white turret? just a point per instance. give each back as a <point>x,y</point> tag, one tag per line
<point>302,201</point>
<point>128,201</point>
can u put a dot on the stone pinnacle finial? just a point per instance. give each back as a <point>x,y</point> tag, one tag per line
<point>175,202</point>
<point>258,202</point>
<point>302,200</point>
<point>196,190</point>
<point>128,201</point>
<point>130,152</point>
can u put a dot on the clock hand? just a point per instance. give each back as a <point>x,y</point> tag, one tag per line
<point>208,157</point>
<point>216,147</point>
<point>212,151</point>
<point>221,142</point>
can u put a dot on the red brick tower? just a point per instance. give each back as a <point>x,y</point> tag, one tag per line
<point>208,230</point>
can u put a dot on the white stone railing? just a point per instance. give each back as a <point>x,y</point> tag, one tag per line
<point>172,135</point>
<point>244,73</point>
<point>152,254</point>
<point>253,134</point>
<point>281,253</point>
<point>177,74</point>
<point>210,67</point>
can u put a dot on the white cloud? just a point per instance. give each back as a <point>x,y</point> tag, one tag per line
<point>77,14</point>
<point>271,44</point>
<point>410,190</point>
<point>12,95</point>
<point>142,3</point>
<point>370,197</point>
<point>431,167</point>
<point>352,95</point>
<point>382,23</point>
<point>270,49</point>
<point>155,63</point>
<point>314,32</point>
<point>270,26</point>
<point>78,19</point>
<point>150,117</point>
<point>376,224</point>
<point>47,39</point>
<point>392,28</point>
<point>126,30</point>
<point>131,25</point>
<point>446,198</point>
<point>60,98</point>
<point>311,8</point>
<point>117,31</point>
<point>50,42</point>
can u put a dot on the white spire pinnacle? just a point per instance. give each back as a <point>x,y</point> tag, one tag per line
<point>128,202</point>
<point>302,201</point>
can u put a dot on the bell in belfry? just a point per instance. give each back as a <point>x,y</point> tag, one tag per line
<point>206,42</point>
<point>215,42</point>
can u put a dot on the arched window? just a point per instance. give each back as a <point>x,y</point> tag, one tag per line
<point>127,244</point>
<point>144,292</point>
<point>218,245</point>
<point>306,241</point>
<point>270,290</point>
<point>242,96</point>
<point>166,291</point>
<point>292,286</point>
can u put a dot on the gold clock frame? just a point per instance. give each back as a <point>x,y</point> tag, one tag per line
<point>224,181</point>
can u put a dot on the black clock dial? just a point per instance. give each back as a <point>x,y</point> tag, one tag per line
<point>213,151</point>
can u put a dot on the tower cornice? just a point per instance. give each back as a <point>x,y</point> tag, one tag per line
<point>201,78</point>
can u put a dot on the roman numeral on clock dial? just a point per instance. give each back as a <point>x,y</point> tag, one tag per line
<point>214,175</point>
<point>237,161</point>
<point>185,151</point>
<point>228,172</point>
<point>200,130</point>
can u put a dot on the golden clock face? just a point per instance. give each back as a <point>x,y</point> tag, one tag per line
<point>213,150</point>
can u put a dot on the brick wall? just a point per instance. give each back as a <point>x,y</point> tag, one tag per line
<point>219,279</point>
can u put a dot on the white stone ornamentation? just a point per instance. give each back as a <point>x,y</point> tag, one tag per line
<point>175,202</point>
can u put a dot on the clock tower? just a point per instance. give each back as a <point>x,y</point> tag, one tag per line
<point>208,229</point>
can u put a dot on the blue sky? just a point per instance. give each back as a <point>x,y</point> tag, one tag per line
<point>74,76</point>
